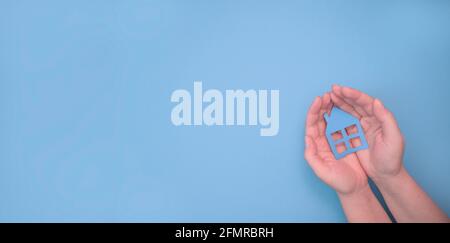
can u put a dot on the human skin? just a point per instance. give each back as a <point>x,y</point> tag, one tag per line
<point>346,176</point>
<point>383,161</point>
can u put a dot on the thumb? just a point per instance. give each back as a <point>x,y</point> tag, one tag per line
<point>391,131</point>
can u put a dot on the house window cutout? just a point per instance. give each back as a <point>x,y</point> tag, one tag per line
<point>341,147</point>
<point>343,128</point>
<point>337,136</point>
<point>353,129</point>
<point>355,142</point>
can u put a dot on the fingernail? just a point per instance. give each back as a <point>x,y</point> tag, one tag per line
<point>379,103</point>
<point>344,90</point>
<point>334,87</point>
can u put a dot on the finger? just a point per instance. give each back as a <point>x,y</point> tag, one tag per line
<point>339,102</point>
<point>312,117</point>
<point>391,131</point>
<point>339,99</point>
<point>313,112</point>
<point>326,103</point>
<point>313,159</point>
<point>362,102</point>
<point>351,103</point>
<point>325,108</point>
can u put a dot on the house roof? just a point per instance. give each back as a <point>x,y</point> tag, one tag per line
<point>339,119</point>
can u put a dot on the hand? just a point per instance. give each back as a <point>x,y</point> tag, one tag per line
<point>383,161</point>
<point>386,144</point>
<point>346,176</point>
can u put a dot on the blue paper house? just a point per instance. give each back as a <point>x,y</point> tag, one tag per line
<point>346,129</point>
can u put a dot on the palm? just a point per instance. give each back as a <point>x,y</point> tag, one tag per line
<point>345,175</point>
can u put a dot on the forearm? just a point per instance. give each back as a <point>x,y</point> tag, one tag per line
<point>363,207</point>
<point>407,201</point>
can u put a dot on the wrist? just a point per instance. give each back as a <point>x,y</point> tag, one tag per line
<point>391,181</point>
<point>362,206</point>
<point>363,192</point>
<point>388,174</point>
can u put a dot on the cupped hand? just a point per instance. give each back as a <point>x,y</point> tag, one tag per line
<point>346,176</point>
<point>386,143</point>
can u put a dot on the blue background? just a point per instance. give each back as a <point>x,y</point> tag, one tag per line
<point>85,130</point>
